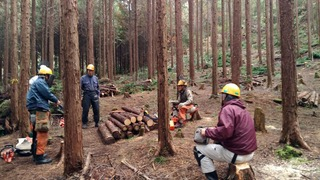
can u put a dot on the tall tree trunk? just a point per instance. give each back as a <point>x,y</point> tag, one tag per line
<point>248,41</point>
<point>290,126</point>
<point>230,28</point>
<point>90,55</point>
<point>130,40</point>
<point>191,46</point>
<point>214,45</point>
<point>111,42</point>
<point>208,32</point>
<point>309,14</point>
<point>62,38</point>
<point>104,44</point>
<point>150,48</point>
<point>223,34</point>
<point>259,30</point>
<point>271,37</point>
<point>164,136</point>
<point>179,50</point>
<point>269,81</point>
<point>201,34</point>
<point>33,40</point>
<point>135,41</point>
<point>154,30</point>
<point>6,46</point>
<point>24,67</point>
<point>14,66</point>
<point>297,28</point>
<point>100,36</point>
<point>72,129</point>
<point>171,32</point>
<point>278,20</point>
<point>44,54</point>
<point>51,34</point>
<point>197,34</point>
<point>236,42</point>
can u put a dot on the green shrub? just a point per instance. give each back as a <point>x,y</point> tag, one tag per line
<point>260,70</point>
<point>288,152</point>
<point>160,160</point>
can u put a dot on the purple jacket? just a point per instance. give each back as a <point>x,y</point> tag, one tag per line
<point>235,129</point>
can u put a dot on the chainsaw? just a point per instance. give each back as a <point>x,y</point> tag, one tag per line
<point>198,138</point>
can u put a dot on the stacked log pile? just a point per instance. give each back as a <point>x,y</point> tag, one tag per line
<point>308,99</point>
<point>123,124</point>
<point>108,90</point>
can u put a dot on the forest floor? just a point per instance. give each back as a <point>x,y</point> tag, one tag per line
<point>139,151</point>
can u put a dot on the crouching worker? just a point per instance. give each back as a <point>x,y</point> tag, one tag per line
<point>235,133</point>
<point>184,105</point>
<point>37,103</point>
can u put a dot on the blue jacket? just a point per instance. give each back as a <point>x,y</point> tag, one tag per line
<point>90,84</point>
<point>39,94</point>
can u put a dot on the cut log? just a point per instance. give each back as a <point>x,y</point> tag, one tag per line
<point>259,120</point>
<point>306,97</point>
<point>135,111</point>
<point>118,123</point>
<point>302,94</point>
<point>136,126</point>
<point>316,101</point>
<point>138,117</point>
<point>155,126</point>
<point>106,136</point>
<point>240,172</point>
<point>129,134</point>
<point>149,122</point>
<point>312,98</point>
<point>121,118</point>
<point>113,129</point>
<point>130,128</point>
<point>123,135</point>
<point>132,118</point>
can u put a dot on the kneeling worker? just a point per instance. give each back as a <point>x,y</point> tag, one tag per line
<point>235,133</point>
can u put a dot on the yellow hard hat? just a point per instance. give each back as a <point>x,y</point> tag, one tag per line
<point>45,70</point>
<point>90,67</point>
<point>182,83</point>
<point>231,89</point>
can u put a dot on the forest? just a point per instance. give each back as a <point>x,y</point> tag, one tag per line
<point>140,51</point>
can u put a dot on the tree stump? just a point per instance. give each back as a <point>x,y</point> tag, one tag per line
<point>240,172</point>
<point>259,120</point>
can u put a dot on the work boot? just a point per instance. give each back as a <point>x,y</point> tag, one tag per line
<point>35,157</point>
<point>212,175</point>
<point>40,159</point>
<point>84,126</point>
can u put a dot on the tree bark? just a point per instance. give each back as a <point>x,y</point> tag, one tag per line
<point>113,129</point>
<point>33,40</point>
<point>197,34</point>
<point>90,55</point>
<point>61,45</point>
<point>121,118</point>
<point>14,66</point>
<point>51,34</point>
<point>150,48</point>
<point>191,46</point>
<point>111,42</point>
<point>164,136</point>
<point>259,30</point>
<point>297,28</point>
<point>24,68</point>
<point>179,49</point>
<point>224,58</point>
<point>135,41</point>
<point>309,14</point>
<point>106,136</point>
<point>214,44</point>
<point>290,126</point>
<point>135,111</point>
<point>236,42</point>
<point>72,129</point>
<point>6,46</point>
<point>248,41</point>
<point>118,124</point>
<point>230,28</point>
<point>201,35</point>
<point>271,37</point>
<point>269,66</point>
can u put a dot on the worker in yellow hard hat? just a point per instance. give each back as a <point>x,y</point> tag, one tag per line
<point>234,132</point>
<point>37,103</point>
<point>91,94</point>
<point>184,105</point>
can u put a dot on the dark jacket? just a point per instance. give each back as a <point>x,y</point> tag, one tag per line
<point>39,94</point>
<point>235,129</point>
<point>90,84</point>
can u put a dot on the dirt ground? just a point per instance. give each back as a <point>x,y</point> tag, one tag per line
<point>138,151</point>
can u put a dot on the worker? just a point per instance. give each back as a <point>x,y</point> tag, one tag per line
<point>234,133</point>
<point>91,94</point>
<point>37,104</point>
<point>185,102</point>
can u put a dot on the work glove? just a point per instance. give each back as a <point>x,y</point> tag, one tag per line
<point>180,105</point>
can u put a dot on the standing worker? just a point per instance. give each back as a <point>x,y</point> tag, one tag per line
<point>91,93</point>
<point>185,102</point>
<point>37,103</point>
<point>234,133</point>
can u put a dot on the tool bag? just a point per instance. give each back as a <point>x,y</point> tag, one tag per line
<point>42,121</point>
<point>198,138</point>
